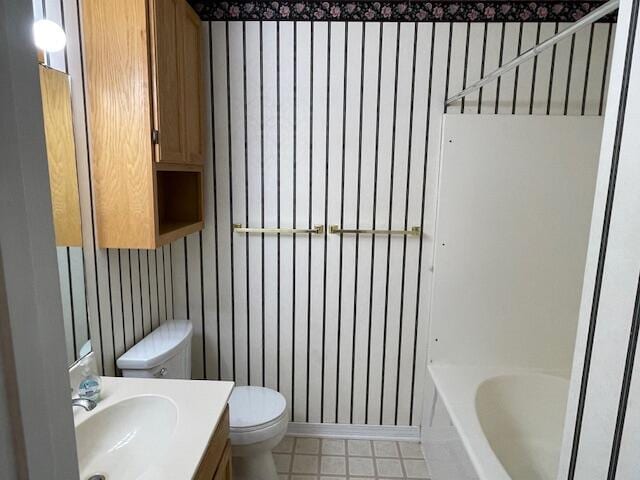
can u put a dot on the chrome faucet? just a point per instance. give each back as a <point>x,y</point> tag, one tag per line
<point>85,403</point>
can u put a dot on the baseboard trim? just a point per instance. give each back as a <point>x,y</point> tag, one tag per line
<point>369,432</point>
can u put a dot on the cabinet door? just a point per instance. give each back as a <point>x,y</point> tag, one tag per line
<point>167,32</point>
<point>224,467</point>
<point>192,78</point>
<point>118,60</point>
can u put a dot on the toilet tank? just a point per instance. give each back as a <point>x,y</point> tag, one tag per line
<point>164,353</point>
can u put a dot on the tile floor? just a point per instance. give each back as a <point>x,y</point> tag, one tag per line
<point>299,458</point>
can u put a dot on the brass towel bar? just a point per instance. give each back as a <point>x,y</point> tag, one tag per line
<point>317,229</point>
<point>414,231</point>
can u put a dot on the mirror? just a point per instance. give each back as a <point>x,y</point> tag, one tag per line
<point>65,201</point>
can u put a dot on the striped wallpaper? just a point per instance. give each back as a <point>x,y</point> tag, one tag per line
<point>74,302</point>
<point>604,394</point>
<point>318,123</point>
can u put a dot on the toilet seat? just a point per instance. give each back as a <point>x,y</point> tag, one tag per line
<point>256,414</point>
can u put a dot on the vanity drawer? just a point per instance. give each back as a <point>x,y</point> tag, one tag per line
<point>217,453</point>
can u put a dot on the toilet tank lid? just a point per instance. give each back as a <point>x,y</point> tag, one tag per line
<point>157,347</point>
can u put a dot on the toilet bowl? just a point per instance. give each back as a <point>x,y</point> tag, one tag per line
<point>257,423</point>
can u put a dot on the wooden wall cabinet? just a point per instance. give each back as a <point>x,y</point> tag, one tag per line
<point>143,70</point>
<point>216,462</point>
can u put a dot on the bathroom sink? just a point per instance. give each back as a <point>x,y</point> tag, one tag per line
<point>125,439</point>
<point>148,429</point>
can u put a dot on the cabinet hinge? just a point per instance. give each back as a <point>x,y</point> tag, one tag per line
<point>155,137</point>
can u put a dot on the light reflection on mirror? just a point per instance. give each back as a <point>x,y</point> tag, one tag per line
<point>63,179</point>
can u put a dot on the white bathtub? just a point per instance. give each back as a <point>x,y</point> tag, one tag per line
<point>510,421</point>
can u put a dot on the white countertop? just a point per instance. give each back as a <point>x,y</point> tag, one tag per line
<point>200,406</point>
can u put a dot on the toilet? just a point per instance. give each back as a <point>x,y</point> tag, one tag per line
<point>257,416</point>
<point>257,422</point>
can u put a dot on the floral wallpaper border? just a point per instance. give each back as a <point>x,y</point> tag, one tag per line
<point>397,11</point>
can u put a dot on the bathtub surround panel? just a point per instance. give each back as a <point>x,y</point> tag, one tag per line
<point>512,230</point>
<point>602,427</point>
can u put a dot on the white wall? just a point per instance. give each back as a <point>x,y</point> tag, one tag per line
<point>602,429</point>
<point>514,209</point>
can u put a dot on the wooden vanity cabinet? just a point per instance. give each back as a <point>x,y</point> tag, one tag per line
<point>216,461</point>
<point>144,95</point>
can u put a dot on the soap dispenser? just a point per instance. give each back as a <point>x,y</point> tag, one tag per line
<point>90,384</point>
